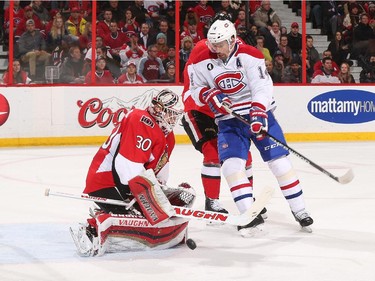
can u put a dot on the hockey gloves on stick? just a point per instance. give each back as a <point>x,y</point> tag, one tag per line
<point>216,100</point>
<point>258,121</point>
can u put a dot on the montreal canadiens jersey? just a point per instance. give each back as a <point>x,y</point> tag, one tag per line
<point>135,145</point>
<point>243,78</point>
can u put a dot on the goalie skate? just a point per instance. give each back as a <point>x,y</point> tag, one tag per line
<point>87,244</point>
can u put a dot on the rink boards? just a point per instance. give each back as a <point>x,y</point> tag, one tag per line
<point>78,115</point>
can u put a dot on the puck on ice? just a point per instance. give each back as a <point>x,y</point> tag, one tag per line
<point>191,244</point>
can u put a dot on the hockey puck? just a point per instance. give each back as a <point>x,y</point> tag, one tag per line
<point>191,244</point>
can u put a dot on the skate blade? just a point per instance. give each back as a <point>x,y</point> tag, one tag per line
<point>253,232</point>
<point>82,252</point>
<point>306,229</point>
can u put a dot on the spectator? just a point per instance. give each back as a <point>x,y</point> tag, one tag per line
<point>344,75</point>
<point>154,8</point>
<point>367,74</point>
<point>129,26</point>
<point>325,75</point>
<point>278,67</point>
<point>204,11</point>
<point>32,48</point>
<point>275,32</point>
<point>331,17</point>
<point>151,68</point>
<point>18,16</point>
<point>170,75</point>
<point>260,47</point>
<point>103,76</point>
<point>190,16</point>
<point>139,12</point>
<point>133,51</point>
<point>193,32</point>
<point>371,13</point>
<point>240,22</point>
<point>312,55</point>
<point>186,48</point>
<point>28,14</point>
<point>316,14</point>
<point>40,11</point>
<point>164,28</point>
<point>295,39</point>
<point>170,58</point>
<point>147,39</point>
<point>271,72</point>
<point>115,8</point>
<point>99,43</point>
<point>225,7</point>
<point>130,76</point>
<point>103,26</point>
<point>84,8</point>
<point>75,24</point>
<point>19,76</point>
<point>327,54</point>
<point>53,15</point>
<point>285,49</point>
<point>72,67</point>
<point>338,48</point>
<point>247,36</point>
<point>115,41</point>
<point>85,38</point>
<point>284,30</point>
<point>61,52</point>
<point>363,38</point>
<point>54,37</point>
<point>293,72</point>
<point>264,16</point>
<point>161,45</point>
<point>112,65</point>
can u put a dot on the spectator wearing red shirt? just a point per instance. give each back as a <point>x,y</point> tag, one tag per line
<point>319,64</point>
<point>29,14</point>
<point>103,76</point>
<point>19,76</point>
<point>129,25</point>
<point>133,51</point>
<point>103,26</point>
<point>115,41</point>
<point>18,15</point>
<point>193,32</point>
<point>204,12</point>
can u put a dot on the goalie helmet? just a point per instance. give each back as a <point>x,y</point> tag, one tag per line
<point>222,30</point>
<point>165,109</point>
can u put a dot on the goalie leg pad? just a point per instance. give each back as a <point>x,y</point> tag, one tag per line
<point>150,197</point>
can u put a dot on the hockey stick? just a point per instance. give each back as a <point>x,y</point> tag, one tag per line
<point>344,179</point>
<point>188,213</point>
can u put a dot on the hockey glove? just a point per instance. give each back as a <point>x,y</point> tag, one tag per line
<point>216,100</point>
<point>258,121</point>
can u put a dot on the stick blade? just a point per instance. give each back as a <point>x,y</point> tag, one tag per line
<point>347,177</point>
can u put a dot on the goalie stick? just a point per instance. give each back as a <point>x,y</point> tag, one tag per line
<point>344,179</point>
<point>188,213</point>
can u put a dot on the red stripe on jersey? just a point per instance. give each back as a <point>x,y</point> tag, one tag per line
<point>293,184</point>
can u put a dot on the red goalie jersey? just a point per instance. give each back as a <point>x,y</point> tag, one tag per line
<point>135,145</point>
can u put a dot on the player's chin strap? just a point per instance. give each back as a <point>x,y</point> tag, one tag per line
<point>344,179</point>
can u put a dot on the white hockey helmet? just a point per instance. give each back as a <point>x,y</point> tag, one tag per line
<point>165,109</point>
<point>222,30</point>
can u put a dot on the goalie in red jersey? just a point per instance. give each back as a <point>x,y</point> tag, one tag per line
<point>133,166</point>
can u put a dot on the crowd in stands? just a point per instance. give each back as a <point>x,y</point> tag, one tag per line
<point>135,40</point>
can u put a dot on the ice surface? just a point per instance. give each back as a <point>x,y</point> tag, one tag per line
<point>35,243</point>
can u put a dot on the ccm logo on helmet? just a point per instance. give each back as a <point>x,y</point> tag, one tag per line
<point>230,82</point>
<point>4,109</point>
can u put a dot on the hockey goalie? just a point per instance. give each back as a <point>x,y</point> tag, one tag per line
<point>133,166</point>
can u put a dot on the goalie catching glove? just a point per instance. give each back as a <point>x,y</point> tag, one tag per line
<point>217,101</point>
<point>258,121</point>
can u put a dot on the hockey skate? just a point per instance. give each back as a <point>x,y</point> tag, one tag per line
<point>252,229</point>
<point>86,240</point>
<point>213,205</point>
<point>304,219</point>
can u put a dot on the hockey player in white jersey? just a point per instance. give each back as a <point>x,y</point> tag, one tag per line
<point>228,74</point>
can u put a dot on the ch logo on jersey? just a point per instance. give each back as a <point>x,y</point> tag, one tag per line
<point>230,82</point>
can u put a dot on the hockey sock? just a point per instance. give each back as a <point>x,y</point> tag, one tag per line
<point>210,172</point>
<point>289,183</point>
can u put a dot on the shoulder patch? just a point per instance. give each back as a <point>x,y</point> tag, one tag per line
<point>147,121</point>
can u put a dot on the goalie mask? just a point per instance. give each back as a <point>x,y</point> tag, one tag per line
<point>164,108</point>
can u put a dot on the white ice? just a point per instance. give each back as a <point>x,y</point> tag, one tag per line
<point>35,243</point>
